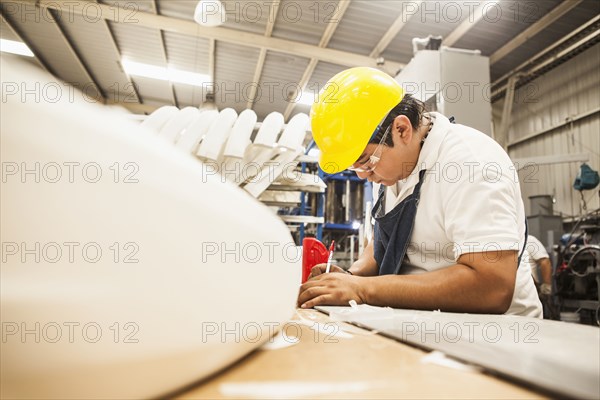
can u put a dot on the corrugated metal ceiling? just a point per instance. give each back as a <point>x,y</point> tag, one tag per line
<point>88,51</point>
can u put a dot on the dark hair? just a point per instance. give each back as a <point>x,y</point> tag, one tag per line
<point>412,108</point>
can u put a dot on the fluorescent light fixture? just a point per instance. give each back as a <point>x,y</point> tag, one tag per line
<point>165,74</point>
<point>308,97</point>
<point>10,46</point>
<point>210,13</point>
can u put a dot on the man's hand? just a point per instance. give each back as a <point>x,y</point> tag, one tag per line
<point>321,268</point>
<point>546,289</point>
<point>331,289</point>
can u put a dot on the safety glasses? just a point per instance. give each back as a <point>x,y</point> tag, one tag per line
<point>370,165</point>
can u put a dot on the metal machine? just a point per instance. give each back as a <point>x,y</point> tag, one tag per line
<point>454,82</point>
<point>577,273</point>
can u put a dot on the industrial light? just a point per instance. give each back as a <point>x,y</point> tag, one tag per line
<point>164,74</point>
<point>210,13</point>
<point>307,98</point>
<point>10,46</point>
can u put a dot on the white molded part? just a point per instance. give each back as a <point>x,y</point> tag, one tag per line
<point>178,123</point>
<point>157,297</point>
<point>271,171</point>
<point>240,134</point>
<point>212,146</point>
<point>159,118</point>
<point>269,130</point>
<point>283,159</point>
<point>280,196</point>
<point>264,148</point>
<point>294,133</point>
<point>233,167</point>
<point>196,131</point>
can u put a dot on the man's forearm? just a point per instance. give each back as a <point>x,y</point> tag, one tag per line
<point>366,264</point>
<point>546,271</point>
<point>456,288</point>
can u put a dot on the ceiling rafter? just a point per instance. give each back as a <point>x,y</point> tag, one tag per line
<point>40,60</point>
<point>133,107</point>
<point>466,25</point>
<point>80,63</point>
<point>263,54</point>
<point>325,38</point>
<point>161,37</point>
<point>564,7</point>
<point>396,27</point>
<point>211,60</point>
<point>190,28</point>
<point>135,93</point>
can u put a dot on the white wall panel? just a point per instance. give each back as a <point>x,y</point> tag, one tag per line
<point>565,92</point>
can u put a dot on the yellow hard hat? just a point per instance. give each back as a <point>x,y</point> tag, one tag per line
<point>347,112</point>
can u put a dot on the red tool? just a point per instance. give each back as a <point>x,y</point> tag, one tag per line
<point>313,252</point>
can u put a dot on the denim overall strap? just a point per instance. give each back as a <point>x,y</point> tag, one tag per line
<point>394,229</point>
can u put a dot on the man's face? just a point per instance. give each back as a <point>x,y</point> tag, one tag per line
<point>395,163</point>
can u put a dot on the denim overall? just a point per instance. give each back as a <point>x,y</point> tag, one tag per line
<point>394,229</point>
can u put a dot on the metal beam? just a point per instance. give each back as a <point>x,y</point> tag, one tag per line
<point>164,54</point>
<point>72,50</point>
<point>396,26</point>
<point>190,28</point>
<point>256,77</point>
<point>325,38</point>
<point>521,163</point>
<point>113,42</point>
<point>502,136</point>
<point>16,32</point>
<point>466,25</point>
<point>262,55</point>
<point>543,23</point>
<point>536,68</point>
<point>302,85</point>
<point>548,49</point>
<point>274,9</point>
<point>211,60</point>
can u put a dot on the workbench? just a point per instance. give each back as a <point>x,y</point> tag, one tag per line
<point>365,365</point>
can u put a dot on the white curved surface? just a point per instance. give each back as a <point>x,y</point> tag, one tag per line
<point>233,167</point>
<point>269,130</point>
<point>284,163</point>
<point>282,160</point>
<point>194,133</point>
<point>294,133</point>
<point>170,215</point>
<point>178,123</point>
<point>159,118</point>
<point>264,148</point>
<point>239,139</point>
<point>212,146</point>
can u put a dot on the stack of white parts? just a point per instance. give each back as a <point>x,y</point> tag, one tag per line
<point>128,271</point>
<point>222,140</point>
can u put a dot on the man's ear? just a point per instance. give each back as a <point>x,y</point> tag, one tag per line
<point>403,126</point>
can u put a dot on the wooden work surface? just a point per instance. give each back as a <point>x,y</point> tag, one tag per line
<point>367,364</point>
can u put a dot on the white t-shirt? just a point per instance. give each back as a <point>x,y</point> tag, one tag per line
<point>470,202</point>
<point>535,251</point>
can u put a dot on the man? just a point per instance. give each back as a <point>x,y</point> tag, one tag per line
<point>450,223</point>
<point>539,263</point>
